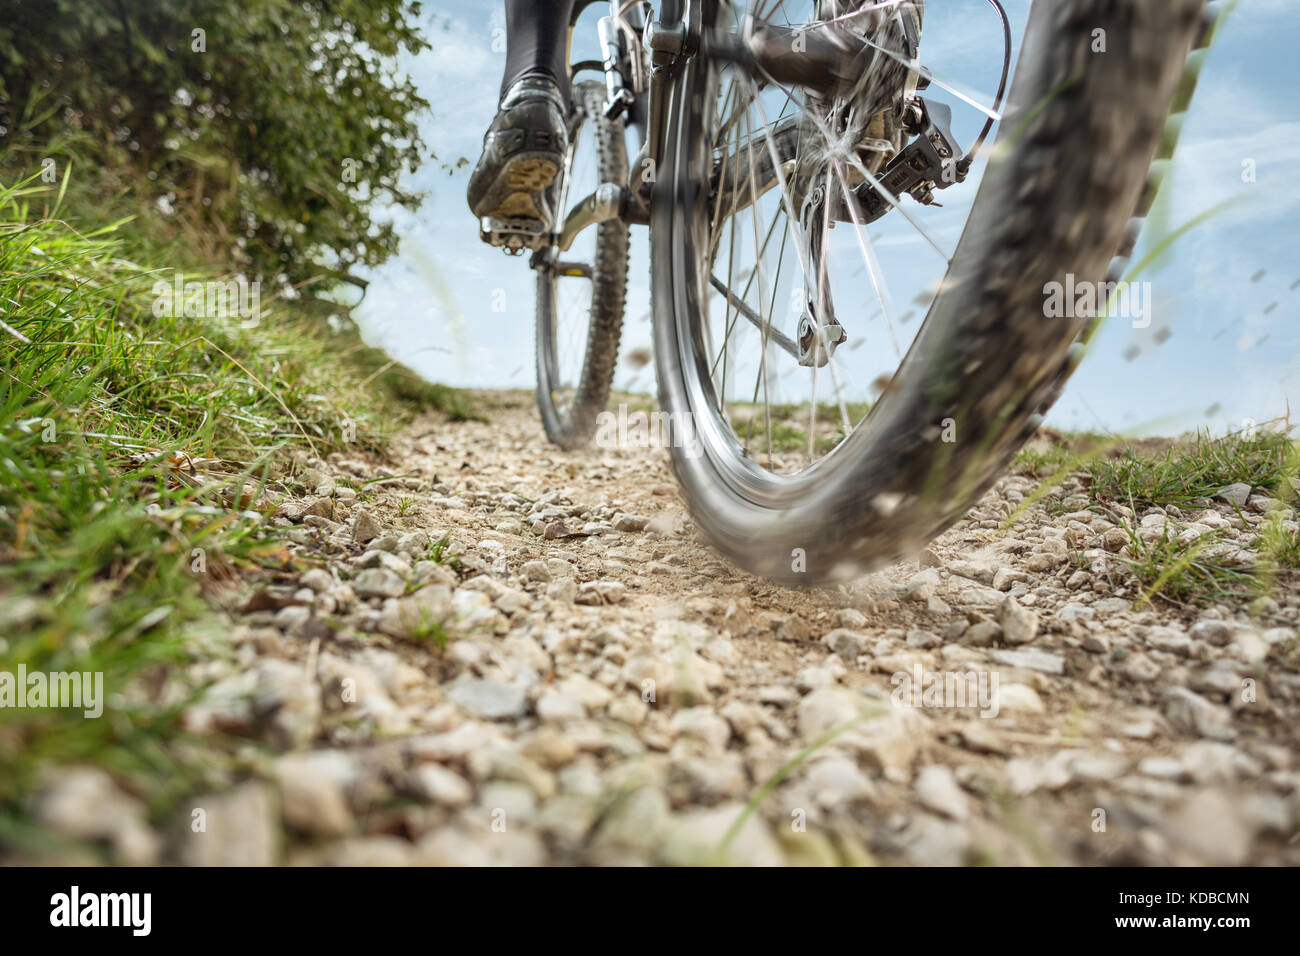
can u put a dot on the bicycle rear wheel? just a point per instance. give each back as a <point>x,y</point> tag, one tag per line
<point>581,292</point>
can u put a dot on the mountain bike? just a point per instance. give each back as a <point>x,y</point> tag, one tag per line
<point>769,141</point>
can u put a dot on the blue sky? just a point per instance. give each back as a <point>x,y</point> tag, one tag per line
<point>1223,344</point>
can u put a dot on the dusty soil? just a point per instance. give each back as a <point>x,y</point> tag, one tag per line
<point>505,653</point>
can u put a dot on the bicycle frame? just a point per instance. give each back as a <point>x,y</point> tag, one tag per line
<point>623,64</point>
<point>631,35</point>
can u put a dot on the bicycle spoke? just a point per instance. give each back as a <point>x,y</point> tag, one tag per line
<point>916,67</point>
<point>771,230</point>
<point>716,231</point>
<point>758,267</point>
<point>799,247</point>
<point>816,153</point>
<point>873,267</point>
<point>838,151</point>
<point>742,308</point>
<point>826,228</point>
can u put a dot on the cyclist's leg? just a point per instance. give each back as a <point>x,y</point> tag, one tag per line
<point>536,35</point>
<point>524,148</point>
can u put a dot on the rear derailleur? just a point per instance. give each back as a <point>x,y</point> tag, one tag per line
<point>932,160</point>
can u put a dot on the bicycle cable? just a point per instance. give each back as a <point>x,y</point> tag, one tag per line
<point>964,164</point>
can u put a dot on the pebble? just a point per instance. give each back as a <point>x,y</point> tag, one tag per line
<point>601,592</point>
<point>417,613</point>
<point>437,784</point>
<point>1140,668</point>
<point>535,571</point>
<point>378,582</point>
<point>556,707</point>
<point>629,523</point>
<point>836,781</point>
<point>1211,824</point>
<point>982,634</point>
<point>319,508</point>
<point>1191,713</point>
<point>235,828</point>
<point>847,644</point>
<point>83,803</point>
<point>692,838</point>
<point>1019,624</point>
<point>1237,494</point>
<point>923,639</point>
<point>364,527</point>
<point>549,747</point>
<point>411,699</point>
<point>850,618</point>
<point>937,790</point>
<point>312,792</point>
<point>826,709</point>
<point>922,586</point>
<point>564,591</point>
<point>489,699</point>
<point>1032,659</point>
<point>1019,699</point>
<point>318,579</point>
<point>286,700</point>
<point>811,678</point>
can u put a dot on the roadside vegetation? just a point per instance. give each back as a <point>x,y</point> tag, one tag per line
<point>145,438</point>
<point>1253,475</point>
<point>139,456</point>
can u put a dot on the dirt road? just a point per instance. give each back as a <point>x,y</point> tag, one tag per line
<point>504,653</point>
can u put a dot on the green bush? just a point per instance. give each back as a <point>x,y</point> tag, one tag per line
<point>276,125</point>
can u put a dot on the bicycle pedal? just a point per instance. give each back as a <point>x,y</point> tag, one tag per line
<point>514,235</point>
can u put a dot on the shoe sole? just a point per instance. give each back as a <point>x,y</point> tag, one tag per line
<point>522,176</point>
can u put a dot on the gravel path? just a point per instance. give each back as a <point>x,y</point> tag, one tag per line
<point>504,653</point>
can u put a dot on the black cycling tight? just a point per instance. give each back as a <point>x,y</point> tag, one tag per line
<point>537,40</point>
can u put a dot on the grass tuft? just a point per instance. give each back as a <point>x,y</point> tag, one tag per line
<point>1195,469</point>
<point>138,455</point>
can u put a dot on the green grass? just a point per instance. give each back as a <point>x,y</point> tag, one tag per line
<point>104,406</point>
<point>798,411</point>
<point>789,422</point>
<point>1189,471</point>
<point>440,552</point>
<point>785,437</point>
<point>430,631</point>
<point>1280,546</point>
<point>1059,453</point>
<point>1185,572</point>
<point>1195,469</point>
